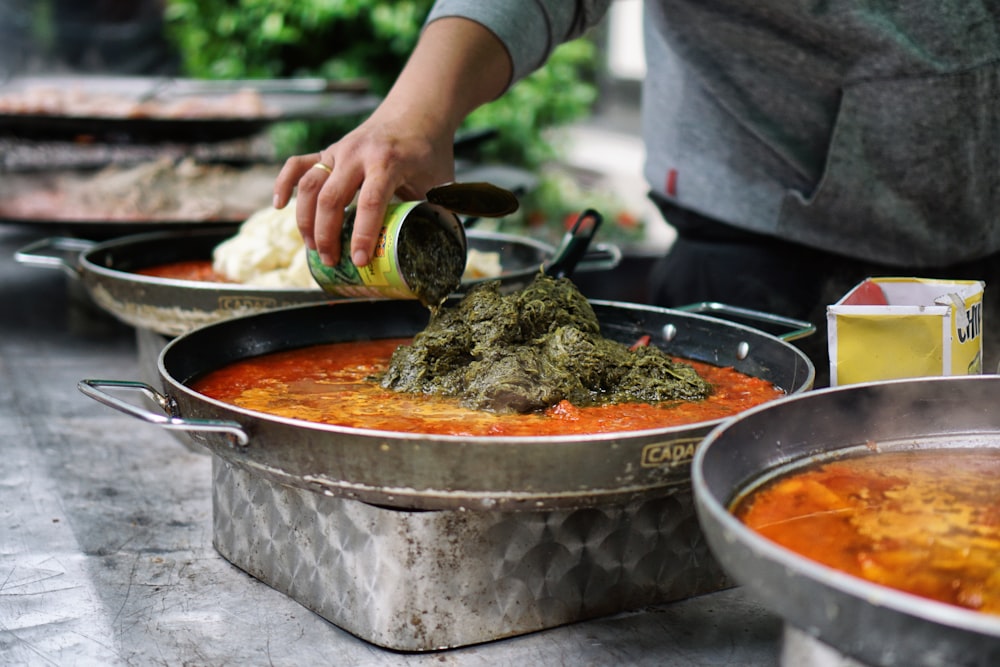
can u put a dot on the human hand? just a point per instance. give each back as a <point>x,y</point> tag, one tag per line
<point>404,148</point>
<point>390,154</point>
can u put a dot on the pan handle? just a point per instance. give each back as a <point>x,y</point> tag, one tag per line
<point>55,253</point>
<point>95,389</point>
<point>602,257</point>
<point>574,244</point>
<point>799,328</point>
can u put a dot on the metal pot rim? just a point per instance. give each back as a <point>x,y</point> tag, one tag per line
<point>493,440</point>
<point>434,472</point>
<point>742,549</point>
<point>87,256</point>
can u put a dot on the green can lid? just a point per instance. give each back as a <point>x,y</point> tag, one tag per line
<point>479,199</point>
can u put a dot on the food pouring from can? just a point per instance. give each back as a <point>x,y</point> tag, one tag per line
<point>420,254</point>
<point>421,249</point>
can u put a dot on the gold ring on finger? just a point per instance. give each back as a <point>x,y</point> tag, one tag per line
<point>320,165</point>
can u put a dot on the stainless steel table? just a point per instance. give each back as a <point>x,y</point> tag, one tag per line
<point>106,553</point>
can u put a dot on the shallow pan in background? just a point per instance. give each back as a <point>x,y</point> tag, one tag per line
<point>173,307</point>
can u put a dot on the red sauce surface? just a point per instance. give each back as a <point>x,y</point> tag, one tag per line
<point>195,269</point>
<point>925,521</point>
<point>331,384</point>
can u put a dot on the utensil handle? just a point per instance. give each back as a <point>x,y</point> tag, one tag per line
<point>602,257</point>
<point>95,389</point>
<point>799,328</point>
<point>574,244</point>
<point>55,253</point>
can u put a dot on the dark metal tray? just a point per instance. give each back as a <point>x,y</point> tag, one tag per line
<point>282,100</point>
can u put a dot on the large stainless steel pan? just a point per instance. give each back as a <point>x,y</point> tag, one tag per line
<point>172,307</point>
<point>443,472</point>
<point>860,620</point>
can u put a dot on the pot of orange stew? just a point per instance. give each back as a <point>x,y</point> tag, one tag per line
<point>163,281</point>
<point>867,516</point>
<point>306,363</point>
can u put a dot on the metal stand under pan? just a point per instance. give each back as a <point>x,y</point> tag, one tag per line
<point>425,580</point>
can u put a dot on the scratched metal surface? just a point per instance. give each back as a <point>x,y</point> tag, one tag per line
<point>106,553</point>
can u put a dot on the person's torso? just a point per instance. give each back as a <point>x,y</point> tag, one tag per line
<point>848,126</point>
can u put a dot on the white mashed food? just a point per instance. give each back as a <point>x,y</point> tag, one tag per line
<point>482,265</point>
<point>268,251</point>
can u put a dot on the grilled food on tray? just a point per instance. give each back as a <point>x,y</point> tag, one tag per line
<point>162,190</point>
<point>47,100</point>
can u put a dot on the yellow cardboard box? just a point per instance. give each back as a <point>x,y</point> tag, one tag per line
<point>888,328</point>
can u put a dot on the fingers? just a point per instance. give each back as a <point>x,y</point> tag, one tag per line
<point>324,189</point>
<point>328,212</point>
<point>373,200</point>
<point>310,183</point>
<point>373,164</point>
<point>297,173</point>
<point>288,177</point>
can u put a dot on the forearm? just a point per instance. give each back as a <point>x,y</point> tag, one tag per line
<point>457,66</point>
<point>530,30</point>
<point>405,147</point>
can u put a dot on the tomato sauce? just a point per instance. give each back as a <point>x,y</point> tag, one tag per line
<point>332,384</point>
<point>926,522</point>
<point>195,269</point>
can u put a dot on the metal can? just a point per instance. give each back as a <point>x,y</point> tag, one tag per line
<point>420,254</point>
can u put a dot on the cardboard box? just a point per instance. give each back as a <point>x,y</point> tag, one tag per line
<point>888,328</point>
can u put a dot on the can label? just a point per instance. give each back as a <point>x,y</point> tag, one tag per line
<point>384,276</point>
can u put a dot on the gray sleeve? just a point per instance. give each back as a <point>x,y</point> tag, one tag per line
<point>529,29</point>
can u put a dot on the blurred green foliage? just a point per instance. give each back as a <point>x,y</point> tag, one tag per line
<point>351,39</point>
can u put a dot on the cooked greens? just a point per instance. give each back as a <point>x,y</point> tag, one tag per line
<point>431,259</point>
<point>526,351</point>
